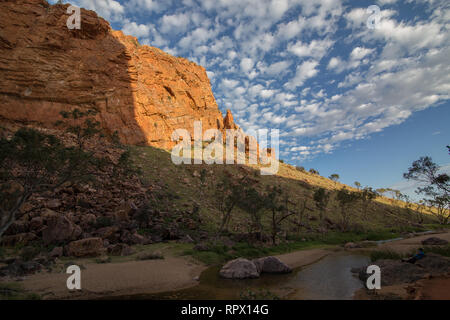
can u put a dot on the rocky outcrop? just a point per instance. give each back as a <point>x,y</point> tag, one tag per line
<point>228,121</point>
<point>239,269</point>
<point>139,91</point>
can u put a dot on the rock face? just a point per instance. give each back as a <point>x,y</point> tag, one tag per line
<point>239,269</point>
<point>141,92</point>
<point>271,265</point>
<point>434,241</point>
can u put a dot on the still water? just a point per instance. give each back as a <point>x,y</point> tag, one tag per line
<point>329,278</point>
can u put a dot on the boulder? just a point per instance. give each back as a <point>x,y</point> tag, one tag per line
<point>271,265</point>
<point>90,247</point>
<point>54,204</point>
<point>434,241</point>
<point>60,230</point>
<point>136,238</point>
<point>239,269</point>
<point>108,233</point>
<point>49,215</point>
<point>88,219</point>
<point>21,238</point>
<point>36,223</point>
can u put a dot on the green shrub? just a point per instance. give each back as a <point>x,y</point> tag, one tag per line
<point>385,254</point>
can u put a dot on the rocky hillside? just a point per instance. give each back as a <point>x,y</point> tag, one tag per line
<point>141,92</point>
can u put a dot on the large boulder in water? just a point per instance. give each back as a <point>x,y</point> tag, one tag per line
<point>239,269</point>
<point>434,241</point>
<point>271,265</point>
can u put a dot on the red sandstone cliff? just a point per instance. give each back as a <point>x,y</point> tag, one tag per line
<point>140,91</point>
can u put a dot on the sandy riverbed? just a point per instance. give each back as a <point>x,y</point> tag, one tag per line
<point>116,279</point>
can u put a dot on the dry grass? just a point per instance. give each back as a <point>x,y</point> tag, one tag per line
<point>195,184</point>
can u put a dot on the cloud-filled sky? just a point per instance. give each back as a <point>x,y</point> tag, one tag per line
<point>312,69</point>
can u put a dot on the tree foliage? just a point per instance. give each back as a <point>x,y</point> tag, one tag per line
<point>345,199</point>
<point>335,177</point>
<point>436,186</point>
<point>321,198</point>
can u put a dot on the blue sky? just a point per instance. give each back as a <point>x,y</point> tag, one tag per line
<point>362,102</point>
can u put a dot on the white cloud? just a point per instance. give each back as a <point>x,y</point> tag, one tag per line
<point>132,28</point>
<point>174,24</point>
<point>277,68</point>
<point>360,52</point>
<point>247,65</point>
<point>304,71</point>
<point>334,63</point>
<point>230,83</point>
<point>316,48</point>
<point>108,9</point>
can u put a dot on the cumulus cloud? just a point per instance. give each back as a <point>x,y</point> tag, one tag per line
<point>175,23</point>
<point>306,70</point>
<point>132,28</point>
<point>316,48</point>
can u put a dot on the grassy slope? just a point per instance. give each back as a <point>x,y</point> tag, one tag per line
<point>184,185</point>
